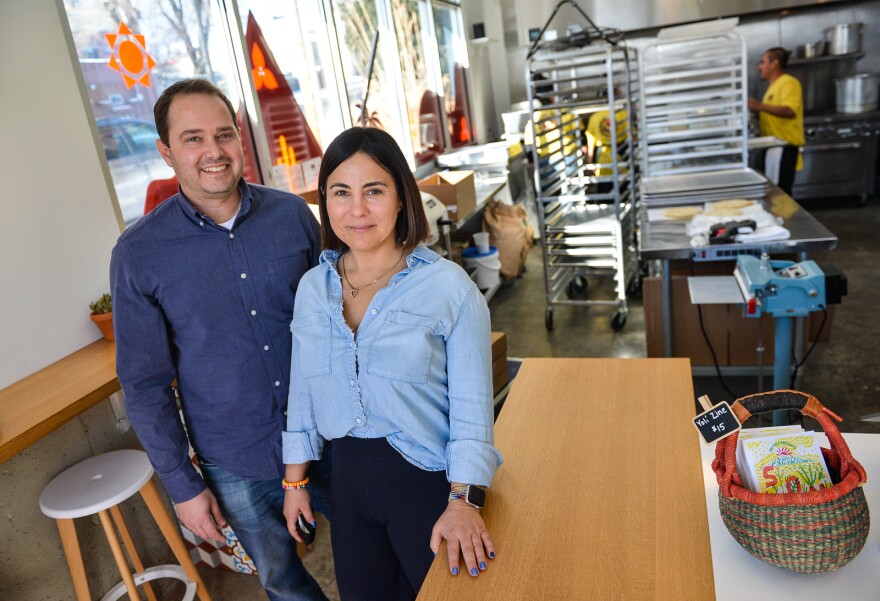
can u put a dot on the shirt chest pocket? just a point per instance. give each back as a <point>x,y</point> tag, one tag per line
<point>284,276</point>
<point>405,347</point>
<point>311,344</point>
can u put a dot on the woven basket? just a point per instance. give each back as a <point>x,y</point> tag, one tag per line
<point>805,532</point>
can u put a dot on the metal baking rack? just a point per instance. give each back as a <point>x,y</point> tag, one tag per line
<point>586,208</point>
<point>693,118</point>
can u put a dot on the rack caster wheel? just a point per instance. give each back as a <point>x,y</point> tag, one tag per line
<point>548,320</point>
<point>577,286</point>
<point>634,289</point>
<point>618,321</point>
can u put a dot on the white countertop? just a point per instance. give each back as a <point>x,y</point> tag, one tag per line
<point>741,577</point>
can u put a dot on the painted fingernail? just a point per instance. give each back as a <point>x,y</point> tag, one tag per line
<point>474,571</point>
<point>434,554</point>
<point>455,571</point>
<point>314,524</point>
<point>492,554</point>
<point>482,565</point>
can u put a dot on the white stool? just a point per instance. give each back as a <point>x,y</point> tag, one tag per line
<point>98,485</point>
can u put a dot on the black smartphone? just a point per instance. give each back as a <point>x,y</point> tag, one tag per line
<point>306,530</point>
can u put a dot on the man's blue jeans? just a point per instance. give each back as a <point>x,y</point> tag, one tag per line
<point>254,510</point>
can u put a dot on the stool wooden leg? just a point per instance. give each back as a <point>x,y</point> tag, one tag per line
<point>119,556</point>
<point>129,546</point>
<point>172,535</point>
<point>74,559</point>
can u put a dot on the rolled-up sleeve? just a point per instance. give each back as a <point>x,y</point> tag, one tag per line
<point>471,455</point>
<point>146,370</point>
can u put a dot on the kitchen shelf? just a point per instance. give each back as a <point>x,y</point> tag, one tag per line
<point>825,58</point>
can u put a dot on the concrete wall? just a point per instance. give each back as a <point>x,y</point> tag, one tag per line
<point>489,85</point>
<point>57,229</point>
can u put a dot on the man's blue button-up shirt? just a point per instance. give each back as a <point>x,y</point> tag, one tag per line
<point>418,372</point>
<point>210,307</point>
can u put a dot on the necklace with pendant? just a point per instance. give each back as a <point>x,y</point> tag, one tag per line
<point>354,291</point>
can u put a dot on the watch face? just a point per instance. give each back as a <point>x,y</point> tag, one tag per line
<point>476,496</point>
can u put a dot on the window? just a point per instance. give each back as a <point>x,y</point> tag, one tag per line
<point>356,24</point>
<point>297,45</point>
<point>452,50</point>
<point>411,18</point>
<point>131,50</point>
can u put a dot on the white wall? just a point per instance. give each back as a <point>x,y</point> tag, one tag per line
<point>57,221</point>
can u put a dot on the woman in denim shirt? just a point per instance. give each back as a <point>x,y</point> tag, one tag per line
<point>392,362</point>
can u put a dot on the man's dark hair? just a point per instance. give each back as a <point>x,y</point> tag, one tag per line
<point>779,54</point>
<point>183,88</point>
<point>412,225</point>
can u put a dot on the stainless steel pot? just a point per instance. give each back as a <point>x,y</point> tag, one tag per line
<point>858,93</point>
<point>811,49</point>
<point>844,39</point>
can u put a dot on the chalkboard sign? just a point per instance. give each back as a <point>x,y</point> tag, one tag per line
<point>717,422</point>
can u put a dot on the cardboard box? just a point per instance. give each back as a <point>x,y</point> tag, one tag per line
<point>734,337</point>
<point>499,362</point>
<point>455,189</point>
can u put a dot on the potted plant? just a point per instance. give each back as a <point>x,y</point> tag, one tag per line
<point>102,315</point>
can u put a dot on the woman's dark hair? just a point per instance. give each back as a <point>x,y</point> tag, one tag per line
<point>182,88</point>
<point>412,225</point>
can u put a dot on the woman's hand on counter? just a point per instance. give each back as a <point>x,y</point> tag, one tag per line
<point>465,532</point>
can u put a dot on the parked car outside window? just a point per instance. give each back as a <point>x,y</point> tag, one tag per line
<point>130,149</point>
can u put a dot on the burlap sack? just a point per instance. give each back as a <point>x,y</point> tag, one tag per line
<point>509,231</point>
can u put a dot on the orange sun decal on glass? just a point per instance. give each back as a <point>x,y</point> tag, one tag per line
<point>129,56</point>
<point>262,75</point>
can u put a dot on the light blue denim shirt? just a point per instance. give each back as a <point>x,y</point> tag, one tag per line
<point>418,372</point>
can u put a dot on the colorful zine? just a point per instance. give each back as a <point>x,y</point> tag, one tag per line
<point>785,463</point>
<point>747,433</point>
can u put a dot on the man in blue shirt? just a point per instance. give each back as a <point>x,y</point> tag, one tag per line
<point>203,290</point>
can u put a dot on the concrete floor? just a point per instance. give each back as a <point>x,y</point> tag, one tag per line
<point>842,373</point>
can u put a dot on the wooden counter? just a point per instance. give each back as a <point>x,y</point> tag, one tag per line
<point>46,400</point>
<point>601,494</point>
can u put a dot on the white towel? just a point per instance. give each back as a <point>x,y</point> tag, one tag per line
<point>764,234</point>
<point>772,159</point>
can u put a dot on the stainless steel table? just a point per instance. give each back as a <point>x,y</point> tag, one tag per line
<point>667,240</point>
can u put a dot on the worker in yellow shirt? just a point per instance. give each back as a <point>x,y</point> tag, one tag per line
<point>781,114</point>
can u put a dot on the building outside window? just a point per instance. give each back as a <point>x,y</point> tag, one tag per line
<point>308,59</point>
<point>129,52</point>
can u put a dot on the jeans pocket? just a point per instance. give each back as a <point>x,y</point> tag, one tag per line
<point>311,344</point>
<point>405,347</point>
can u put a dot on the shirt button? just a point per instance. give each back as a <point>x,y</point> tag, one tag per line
<point>253,311</point>
<point>231,235</point>
<point>285,414</point>
<point>374,311</point>
<point>352,382</point>
<point>277,383</point>
<point>202,223</point>
<point>266,347</point>
<point>243,276</point>
<point>359,420</point>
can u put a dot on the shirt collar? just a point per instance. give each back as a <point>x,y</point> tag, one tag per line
<point>200,219</point>
<point>420,253</point>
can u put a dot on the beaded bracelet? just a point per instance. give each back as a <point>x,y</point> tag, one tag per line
<point>294,485</point>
